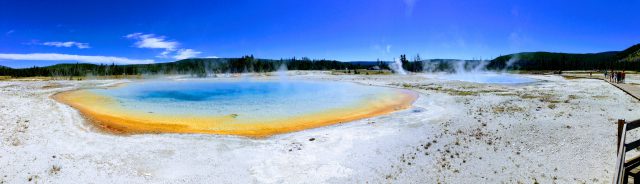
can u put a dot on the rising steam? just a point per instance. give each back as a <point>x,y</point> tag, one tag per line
<point>396,66</point>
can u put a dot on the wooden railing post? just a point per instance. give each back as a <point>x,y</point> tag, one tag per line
<point>621,123</point>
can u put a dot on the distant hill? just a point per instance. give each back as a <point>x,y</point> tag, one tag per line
<point>632,54</point>
<point>554,61</point>
<point>568,61</point>
<point>635,57</point>
<point>5,71</point>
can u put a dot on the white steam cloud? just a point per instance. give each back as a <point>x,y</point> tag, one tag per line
<point>396,66</point>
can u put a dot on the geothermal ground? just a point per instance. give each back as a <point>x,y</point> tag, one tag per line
<point>554,130</point>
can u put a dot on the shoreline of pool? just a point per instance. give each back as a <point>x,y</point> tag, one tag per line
<point>104,113</point>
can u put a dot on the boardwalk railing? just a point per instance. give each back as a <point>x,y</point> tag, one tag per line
<point>625,167</point>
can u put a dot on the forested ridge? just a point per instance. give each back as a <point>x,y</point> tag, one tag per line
<point>628,59</point>
<point>618,60</point>
<point>198,67</point>
<point>554,61</point>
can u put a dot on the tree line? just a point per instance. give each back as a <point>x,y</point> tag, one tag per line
<point>197,67</point>
<point>562,61</point>
<point>627,59</point>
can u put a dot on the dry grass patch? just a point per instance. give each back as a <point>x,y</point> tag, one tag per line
<point>507,109</point>
<point>549,99</point>
<point>571,77</point>
<point>506,94</point>
<point>55,169</point>
<point>599,97</point>
<point>361,72</point>
<point>460,93</point>
<point>528,96</point>
<point>52,86</point>
<point>454,92</point>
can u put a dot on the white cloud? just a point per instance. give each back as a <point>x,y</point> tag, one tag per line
<point>67,44</point>
<point>171,48</point>
<point>9,32</point>
<point>164,54</point>
<point>211,57</point>
<point>69,57</point>
<point>152,41</point>
<point>186,53</point>
<point>388,48</point>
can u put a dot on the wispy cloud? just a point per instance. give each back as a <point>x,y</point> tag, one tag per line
<point>409,5</point>
<point>68,44</point>
<point>59,44</point>
<point>152,41</point>
<point>457,42</point>
<point>186,53</point>
<point>518,39</point>
<point>9,32</point>
<point>515,11</point>
<point>384,49</point>
<point>70,57</point>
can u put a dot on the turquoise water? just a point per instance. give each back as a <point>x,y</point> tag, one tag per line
<point>487,77</point>
<point>247,99</point>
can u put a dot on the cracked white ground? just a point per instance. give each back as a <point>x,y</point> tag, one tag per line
<point>553,130</point>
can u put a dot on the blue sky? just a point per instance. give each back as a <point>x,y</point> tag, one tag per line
<point>144,31</point>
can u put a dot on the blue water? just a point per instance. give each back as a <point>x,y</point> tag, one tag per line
<point>247,99</point>
<point>487,77</point>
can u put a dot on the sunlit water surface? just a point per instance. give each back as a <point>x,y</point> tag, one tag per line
<point>485,77</point>
<point>242,99</point>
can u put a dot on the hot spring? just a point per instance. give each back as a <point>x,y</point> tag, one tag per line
<point>485,77</point>
<point>247,108</point>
